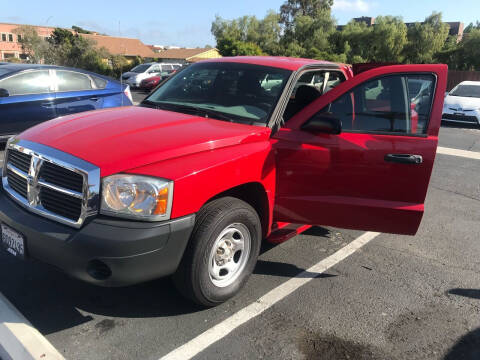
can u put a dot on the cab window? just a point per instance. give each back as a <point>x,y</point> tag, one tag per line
<point>395,104</point>
<point>309,87</point>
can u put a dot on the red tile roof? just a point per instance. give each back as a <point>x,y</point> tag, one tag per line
<point>122,46</point>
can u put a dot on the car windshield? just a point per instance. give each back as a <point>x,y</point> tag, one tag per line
<point>236,92</point>
<point>140,68</point>
<point>466,91</point>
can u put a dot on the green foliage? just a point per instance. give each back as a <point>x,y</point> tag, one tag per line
<point>426,39</point>
<point>32,45</point>
<point>388,37</point>
<point>306,28</point>
<point>230,47</point>
<point>79,30</point>
<point>471,27</point>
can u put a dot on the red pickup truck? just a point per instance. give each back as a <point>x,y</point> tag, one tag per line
<point>225,153</point>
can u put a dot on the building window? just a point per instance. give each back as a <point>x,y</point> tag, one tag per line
<point>4,37</point>
<point>19,37</point>
<point>10,37</point>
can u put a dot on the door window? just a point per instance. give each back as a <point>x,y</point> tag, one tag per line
<point>72,81</point>
<point>309,87</point>
<point>32,82</point>
<point>391,104</point>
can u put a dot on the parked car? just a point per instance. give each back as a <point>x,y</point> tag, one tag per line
<point>462,104</point>
<point>150,83</point>
<point>191,181</point>
<point>143,71</point>
<point>31,94</point>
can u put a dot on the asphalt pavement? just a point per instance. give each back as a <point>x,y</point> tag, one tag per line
<point>398,297</point>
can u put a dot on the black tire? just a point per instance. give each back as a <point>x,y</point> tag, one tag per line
<point>192,277</point>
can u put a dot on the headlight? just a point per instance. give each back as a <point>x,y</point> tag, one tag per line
<point>138,197</point>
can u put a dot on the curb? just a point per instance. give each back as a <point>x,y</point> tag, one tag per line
<point>19,339</point>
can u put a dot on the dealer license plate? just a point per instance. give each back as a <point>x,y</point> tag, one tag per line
<point>12,241</point>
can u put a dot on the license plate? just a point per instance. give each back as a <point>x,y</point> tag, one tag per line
<point>459,113</point>
<point>13,242</point>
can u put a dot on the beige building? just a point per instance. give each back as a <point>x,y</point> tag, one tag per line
<point>185,56</point>
<point>10,46</point>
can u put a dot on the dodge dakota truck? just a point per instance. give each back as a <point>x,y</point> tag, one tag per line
<point>222,155</point>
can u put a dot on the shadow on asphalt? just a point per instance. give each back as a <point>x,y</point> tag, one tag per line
<point>52,301</point>
<point>468,346</point>
<point>470,293</point>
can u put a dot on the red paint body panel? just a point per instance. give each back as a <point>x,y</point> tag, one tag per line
<point>121,139</point>
<point>344,178</point>
<point>339,180</point>
<point>280,62</point>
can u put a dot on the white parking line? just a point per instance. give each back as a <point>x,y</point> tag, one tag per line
<point>19,339</point>
<point>457,152</point>
<point>219,331</point>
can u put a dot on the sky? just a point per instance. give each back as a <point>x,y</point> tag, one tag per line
<point>187,23</point>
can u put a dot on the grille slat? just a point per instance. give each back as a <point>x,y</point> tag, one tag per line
<point>59,176</point>
<point>61,204</point>
<point>19,160</point>
<point>17,183</point>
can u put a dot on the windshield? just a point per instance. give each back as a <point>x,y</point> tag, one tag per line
<point>466,91</point>
<point>140,68</point>
<point>233,91</point>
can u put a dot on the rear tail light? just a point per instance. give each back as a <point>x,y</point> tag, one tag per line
<point>128,93</point>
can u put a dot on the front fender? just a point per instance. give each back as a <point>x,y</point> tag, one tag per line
<point>201,176</point>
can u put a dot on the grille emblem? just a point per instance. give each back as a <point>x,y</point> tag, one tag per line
<point>33,190</point>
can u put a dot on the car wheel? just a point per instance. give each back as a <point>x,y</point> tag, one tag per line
<point>222,252</point>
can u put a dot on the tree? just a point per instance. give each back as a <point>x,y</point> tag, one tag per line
<point>426,39</point>
<point>388,38</point>
<point>354,41</point>
<point>79,30</point>
<point>471,27</point>
<point>291,9</point>
<point>68,49</point>
<point>230,47</point>
<point>470,51</point>
<point>264,34</point>
<point>33,46</point>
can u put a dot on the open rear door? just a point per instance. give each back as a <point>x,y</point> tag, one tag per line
<point>374,175</point>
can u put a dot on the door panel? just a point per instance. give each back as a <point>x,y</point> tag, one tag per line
<point>30,101</point>
<point>348,180</point>
<point>76,92</point>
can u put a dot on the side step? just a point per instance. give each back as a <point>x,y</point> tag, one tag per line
<point>282,232</point>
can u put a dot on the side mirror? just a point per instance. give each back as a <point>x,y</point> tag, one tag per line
<point>323,123</point>
<point>4,93</point>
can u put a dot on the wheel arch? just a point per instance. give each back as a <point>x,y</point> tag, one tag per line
<point>254,194</point>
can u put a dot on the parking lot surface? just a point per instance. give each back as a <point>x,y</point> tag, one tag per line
<point>398,297</point>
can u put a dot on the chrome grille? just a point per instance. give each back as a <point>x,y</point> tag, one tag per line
<point>51,183</point>
<point>17,183</point>
<point>20,160</point>
<point>60,176</point>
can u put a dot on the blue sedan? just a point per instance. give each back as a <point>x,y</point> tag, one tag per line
<point>31,94</point>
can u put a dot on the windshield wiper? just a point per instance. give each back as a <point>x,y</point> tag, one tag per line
<point>190,109</point>
<point>150,104</point>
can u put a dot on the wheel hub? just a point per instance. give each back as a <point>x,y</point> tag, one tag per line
<point>229,254</point>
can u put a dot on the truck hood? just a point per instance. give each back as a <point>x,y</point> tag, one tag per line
<point>121,139</point>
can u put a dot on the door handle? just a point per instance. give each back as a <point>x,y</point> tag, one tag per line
<point>404,158</point>
<point>94,98</point>
<point>47,104</point>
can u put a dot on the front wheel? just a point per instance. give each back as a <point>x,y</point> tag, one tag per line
<point>222,252</point>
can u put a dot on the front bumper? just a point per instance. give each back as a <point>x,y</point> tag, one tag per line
<point>133,251</point>
<point>463,117</point>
